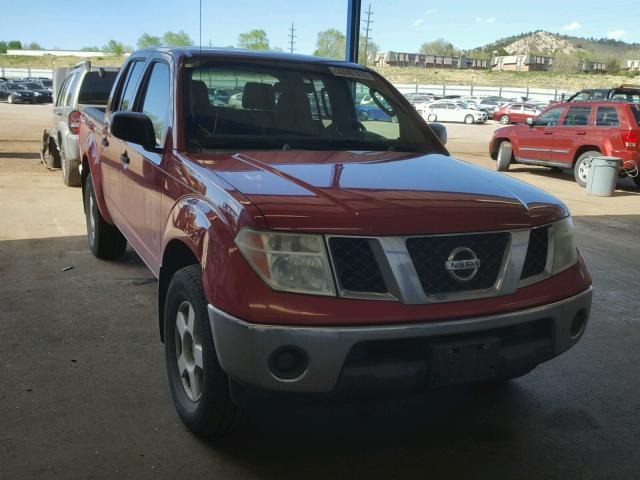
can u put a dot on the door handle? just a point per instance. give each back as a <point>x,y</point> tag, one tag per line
<point>581,133</point>
<point>105,142</point>
<point>548,133</point>
<point>124,158</point>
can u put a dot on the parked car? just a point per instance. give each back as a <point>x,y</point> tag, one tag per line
<point>41,94</point>
<point>516,113</point>
<point>567,135</point>
<point>622,93</point>
<point>304,254</point>
<point>419,98</point>
<point>14,92</point>
<point>85,86</point>
<point>235,100</point>
<point>450,111</point>
<point>371,111</point>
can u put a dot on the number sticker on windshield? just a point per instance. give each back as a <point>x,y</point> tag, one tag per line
<point>351,73</point>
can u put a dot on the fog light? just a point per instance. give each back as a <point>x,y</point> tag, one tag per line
<point>288,362</point>
<point>579,322</point>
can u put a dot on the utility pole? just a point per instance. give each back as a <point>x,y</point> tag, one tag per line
<point>367,29</point>
<point>292,37</point>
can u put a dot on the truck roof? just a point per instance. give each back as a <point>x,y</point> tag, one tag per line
<point>238,53</point>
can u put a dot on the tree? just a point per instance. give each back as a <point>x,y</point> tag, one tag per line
<point>3,47</point>
<point>89,49</point>
<point>147,41</point>
<point>254,40</point>
<point>179,39</point>
<point>34,46</point>
<point>14,45</point>
<point>439,47</point>
<point>331,44</point>
<point>117,48</point>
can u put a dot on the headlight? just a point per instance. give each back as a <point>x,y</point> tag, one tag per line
<point>288,262</point>
<point>565,253</point>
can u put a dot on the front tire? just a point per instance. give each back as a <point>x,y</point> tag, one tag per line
<point>505,154</point>
<point>505,120</point>
<point>199,386</point>
<point>468,119</point>
<point>432,117</point>
<point>581,167</point>
<point>105,240</point>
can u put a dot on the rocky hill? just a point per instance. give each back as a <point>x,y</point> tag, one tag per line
<point>541,43</point>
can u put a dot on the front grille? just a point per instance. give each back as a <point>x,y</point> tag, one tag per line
<point>430,254</point>
<point>537,250</point>
<point>355,265</point>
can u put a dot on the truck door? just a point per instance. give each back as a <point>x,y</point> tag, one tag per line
<point>571,134</point>
<point>112,147</point>
<point>142,174</point>
<point>535,143</point>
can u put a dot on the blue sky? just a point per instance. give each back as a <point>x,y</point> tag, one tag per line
<point>398,25</point>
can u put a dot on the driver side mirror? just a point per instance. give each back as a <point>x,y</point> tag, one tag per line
<point>530,122</point>
<point>134,127</point>
<point>440,130</point>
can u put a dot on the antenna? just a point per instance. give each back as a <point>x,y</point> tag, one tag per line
<point>200,40</point>
<point>366,32</point>
<point>292,38</point>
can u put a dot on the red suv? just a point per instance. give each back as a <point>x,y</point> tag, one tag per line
<point>567,134</point>
<point>516,113</point>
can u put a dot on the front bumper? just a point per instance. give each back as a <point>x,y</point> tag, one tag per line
<point>244,349</point>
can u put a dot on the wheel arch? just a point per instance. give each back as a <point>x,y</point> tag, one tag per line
<point>582,149</point>
<point>496,146</point>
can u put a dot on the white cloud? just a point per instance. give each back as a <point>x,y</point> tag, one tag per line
<point>615,34</point>
<point>571,26</point>
<point>485,20</point>
<point>479,19</point>
<point>417,23</point>
<point>491,20</point>
<point>431,11</point>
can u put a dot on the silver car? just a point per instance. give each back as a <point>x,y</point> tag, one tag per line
<point>83,87</point>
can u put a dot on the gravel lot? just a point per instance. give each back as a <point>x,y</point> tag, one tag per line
<point>83,392</point>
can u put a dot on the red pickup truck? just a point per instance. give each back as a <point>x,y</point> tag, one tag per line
<point>566,135</point>
<point>300,250</point>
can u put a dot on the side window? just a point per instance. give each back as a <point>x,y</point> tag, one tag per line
<point>577,117</point>
<point>157,98</point>
<point>528,109</point>
<point>67,101</point>
<point>62,92</point>
<point>607,117</point>
<point>134,72</point>
<point>549,118</point>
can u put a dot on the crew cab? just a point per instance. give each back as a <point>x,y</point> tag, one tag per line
<point>566,136</point>
<point>302,251</point>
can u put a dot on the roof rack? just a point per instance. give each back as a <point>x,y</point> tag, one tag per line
<point>84,64</point>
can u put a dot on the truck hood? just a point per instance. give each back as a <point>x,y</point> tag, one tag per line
<point>381,193</point>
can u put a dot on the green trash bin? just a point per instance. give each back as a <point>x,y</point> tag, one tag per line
<point>603,176</point>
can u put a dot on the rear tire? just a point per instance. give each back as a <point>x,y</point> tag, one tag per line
<point>105,240</point>
<point>581,169</point>
<point>505,154</point>
<point>70,171</point>
<point>468,119</point>
<point>199,386</point>
<point>432,117</point>
<point>505,120</point>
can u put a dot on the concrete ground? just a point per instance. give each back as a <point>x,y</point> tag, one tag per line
<point>83,392</point>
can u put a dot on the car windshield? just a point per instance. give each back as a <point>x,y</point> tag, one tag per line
<point>16,86</point>
<point>33,86</point>
<point>281,105</point>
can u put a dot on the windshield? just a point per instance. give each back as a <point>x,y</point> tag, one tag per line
<point>278,105</point>
<point>33,86</point>
<point>15,86</point>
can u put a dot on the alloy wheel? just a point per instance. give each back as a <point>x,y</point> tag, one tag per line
<point>189,352</point>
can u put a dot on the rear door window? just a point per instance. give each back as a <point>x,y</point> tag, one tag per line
<point>607,117</point>
<point>156,99</point>
<point>134,72</point>
<point>577,117</point>
<point>69,95</point>
<point>635,109</point>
